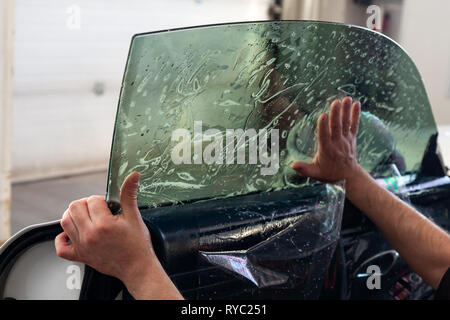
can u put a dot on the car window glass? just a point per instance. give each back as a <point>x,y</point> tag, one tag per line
<point>186,90</point>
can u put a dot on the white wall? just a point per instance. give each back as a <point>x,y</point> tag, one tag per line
<point>59,125</point>
<point>425,35</point>
<point>342,11</point>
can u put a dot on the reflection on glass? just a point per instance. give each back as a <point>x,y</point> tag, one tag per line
<point>273,77</point>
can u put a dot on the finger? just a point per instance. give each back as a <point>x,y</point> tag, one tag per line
<point>128,194</point>
<point>306,169</point>
<point>345,114</point>
<point>335,120</point>
<point>323,132</point>
<point>98,208</point>
<point>78,211</point>
<point>356,111</point>
<point>64,249</point>
<point>69,227</point>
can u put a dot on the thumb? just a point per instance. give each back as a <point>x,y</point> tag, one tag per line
<point>128,193</point>
<point>305,169</point>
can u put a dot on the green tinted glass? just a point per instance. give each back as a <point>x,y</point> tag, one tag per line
<point>245,99</point>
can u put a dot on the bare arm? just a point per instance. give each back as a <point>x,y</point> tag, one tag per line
<point>421,243</point>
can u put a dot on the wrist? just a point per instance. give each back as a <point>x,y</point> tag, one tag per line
<point>152,283</point>
<point>136,269</point>
<point>138,274</point>
<point>357,183</point>
<point>355,176</point>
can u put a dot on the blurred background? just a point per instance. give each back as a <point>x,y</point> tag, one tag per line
<point>61,66</point>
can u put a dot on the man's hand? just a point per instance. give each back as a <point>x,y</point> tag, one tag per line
<point>421,243</point>
<point>116,245</point>
<point>336,155</point>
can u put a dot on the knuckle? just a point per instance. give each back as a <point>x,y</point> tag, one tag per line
<point>65,222</point>
<point>93,199</point>
<point>130,194</point>
<point>74,205</point>
<point>59,252</point>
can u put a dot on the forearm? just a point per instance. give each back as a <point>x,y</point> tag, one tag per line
<point>152,283</point>
<point>422,244</point>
